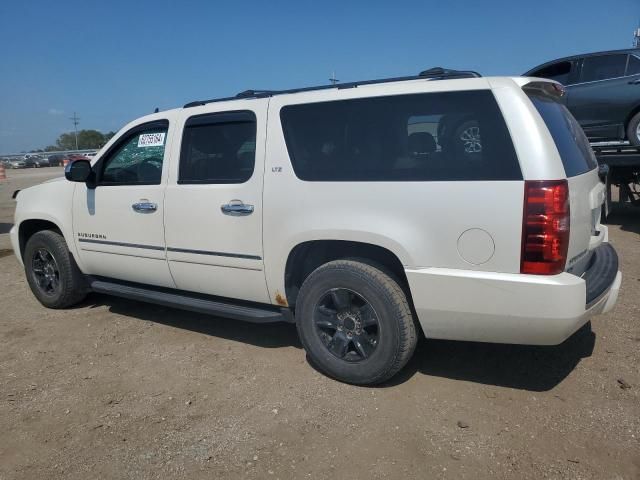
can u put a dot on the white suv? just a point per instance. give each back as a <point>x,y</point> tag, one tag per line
<point>467,208</point>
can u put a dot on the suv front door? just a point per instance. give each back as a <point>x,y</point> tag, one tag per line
<point>213,203</point>
<point>118,225</point>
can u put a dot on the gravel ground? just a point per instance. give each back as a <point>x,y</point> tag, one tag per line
<point>118,389</point>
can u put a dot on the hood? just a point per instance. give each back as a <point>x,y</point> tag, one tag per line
<point>57,179</point>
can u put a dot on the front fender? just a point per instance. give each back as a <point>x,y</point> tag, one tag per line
<point>51,202</point>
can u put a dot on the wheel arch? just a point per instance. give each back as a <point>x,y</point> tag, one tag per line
<point>28,227</point>
<point>633,112</point>
<point>306,256</point>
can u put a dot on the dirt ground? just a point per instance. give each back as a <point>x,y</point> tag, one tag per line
<point>118,389</point>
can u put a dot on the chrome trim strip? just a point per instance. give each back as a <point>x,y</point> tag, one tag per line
<point>216,254</point>
<point>193,262</point>
<point>120,244</point>
<point>171,249</point>
<point>601,80</point>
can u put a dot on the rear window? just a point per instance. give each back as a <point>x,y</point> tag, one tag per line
<point>423,137</point>
<point>573,146</point>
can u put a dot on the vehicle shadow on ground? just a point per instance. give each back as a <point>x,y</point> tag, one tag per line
<point>266,335</point>
<point>625,215</point>
<point>533,368</point>
<point>522,367</point>
<point>5,227</point>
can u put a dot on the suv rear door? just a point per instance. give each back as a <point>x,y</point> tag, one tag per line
<point>213,203</point>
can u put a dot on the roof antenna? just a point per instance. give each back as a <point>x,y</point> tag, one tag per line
<point>333,78</point>
<point>156,110</point>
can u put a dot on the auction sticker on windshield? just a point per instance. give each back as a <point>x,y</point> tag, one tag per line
<point>151,139</point>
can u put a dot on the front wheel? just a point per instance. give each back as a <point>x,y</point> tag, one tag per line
<point>633,130</point>
<point>355,322</point>
<point>52,273</point>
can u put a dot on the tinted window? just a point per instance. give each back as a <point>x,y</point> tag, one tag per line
<point>603,67</point>
<point>431,136</point>
<point>573,146</point>
<point>558,71</point>
<point>218,148</point>
<point>633,68</point>
<point>137,159</point>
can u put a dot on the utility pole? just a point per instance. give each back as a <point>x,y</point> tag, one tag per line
<point>333,79</point>
<point>76,120</point>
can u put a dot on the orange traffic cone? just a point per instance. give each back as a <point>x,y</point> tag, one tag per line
<point>3,174</point>
<point>65,162</point>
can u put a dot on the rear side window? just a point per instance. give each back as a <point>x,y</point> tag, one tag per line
<point>571,142</point>
<point>218,148</point>
<point>633,68</point>
<point>603,67</point>
<point>560,72</point>
<point>423,137</point>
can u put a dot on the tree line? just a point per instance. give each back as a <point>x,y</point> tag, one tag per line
<point>87,139</point>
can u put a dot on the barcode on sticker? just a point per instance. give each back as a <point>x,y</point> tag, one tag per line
<point>151,140</point>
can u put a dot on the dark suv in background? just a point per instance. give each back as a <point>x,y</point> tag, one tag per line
<point>603,92</point>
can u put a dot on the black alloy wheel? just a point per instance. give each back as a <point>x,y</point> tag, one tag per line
<point>346,324</point>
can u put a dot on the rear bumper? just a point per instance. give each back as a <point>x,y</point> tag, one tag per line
<point>513,308</point>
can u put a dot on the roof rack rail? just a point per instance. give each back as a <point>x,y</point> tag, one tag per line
<point>436,73</point>
<point>442,73</point>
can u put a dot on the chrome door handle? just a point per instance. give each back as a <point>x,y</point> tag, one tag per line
<point>236,208</point>
<point>144,207</point>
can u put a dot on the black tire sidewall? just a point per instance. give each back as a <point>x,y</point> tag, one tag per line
<point>632,129</point>
<point>54,243</point>
<point>382,301</point>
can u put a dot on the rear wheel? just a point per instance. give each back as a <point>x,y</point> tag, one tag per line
<point>52,273</point>
<point>355,322</point>
<point>633,130</point>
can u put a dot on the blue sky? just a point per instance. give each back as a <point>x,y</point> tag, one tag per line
<point>116,60</point>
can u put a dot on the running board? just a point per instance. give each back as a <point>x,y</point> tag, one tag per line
<point>183,301</point>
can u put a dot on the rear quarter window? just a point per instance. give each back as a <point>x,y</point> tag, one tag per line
<point>417,137</point>
<point>571,142</point>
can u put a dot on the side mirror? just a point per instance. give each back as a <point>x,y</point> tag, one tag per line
<point>78,171</point>
<point>603,172</point>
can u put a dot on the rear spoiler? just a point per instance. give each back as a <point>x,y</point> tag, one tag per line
<point>545,87</point>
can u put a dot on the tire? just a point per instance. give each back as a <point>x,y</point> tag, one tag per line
<point>350,302</point>
<point>633,130</point>
<point>58,283</point>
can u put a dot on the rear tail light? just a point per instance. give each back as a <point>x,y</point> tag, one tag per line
<point>545,227</point>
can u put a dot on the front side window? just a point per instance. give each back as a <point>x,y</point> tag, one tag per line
<point>560,72</point>
<point>218,148</point>
<point>418,137</point>
<point>137,159</point>
<point>603,67</point>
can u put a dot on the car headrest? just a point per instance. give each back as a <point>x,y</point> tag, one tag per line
<point>421,143</point>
